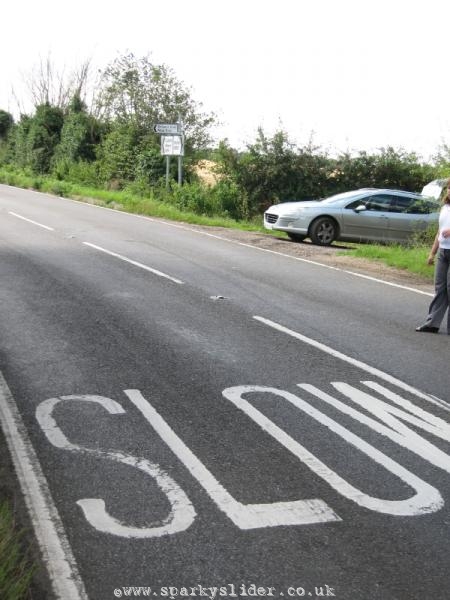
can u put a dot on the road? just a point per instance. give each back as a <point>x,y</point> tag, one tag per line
<point>191,416</point>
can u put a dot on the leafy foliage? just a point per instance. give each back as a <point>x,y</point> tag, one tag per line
<point>389,168</point>
<point>36,138</point>
<point>80,134</point>
<point>139,93</point>
<point>15,570</point>
<point>112,145</point>
<point>117,155</point>
<point>6,122</point>
<point>273,170</point>
<point>442,160</point>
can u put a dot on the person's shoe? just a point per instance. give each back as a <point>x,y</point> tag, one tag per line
<point>427,328</point>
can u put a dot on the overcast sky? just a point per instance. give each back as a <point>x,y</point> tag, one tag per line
<point>358,74</point>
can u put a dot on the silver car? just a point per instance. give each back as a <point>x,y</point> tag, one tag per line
<point>362,215</point>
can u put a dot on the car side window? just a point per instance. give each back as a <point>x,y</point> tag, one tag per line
<point>416,206</point>
<point>379,202</point>
<point>355,203</point>
<point>403,204</point>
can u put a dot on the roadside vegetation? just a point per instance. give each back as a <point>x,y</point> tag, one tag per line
<point>160,204</point>
<point>107,151</point>
<point>16,570</point>
<point>412,258</point>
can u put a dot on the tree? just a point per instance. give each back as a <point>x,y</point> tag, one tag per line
<point>6,122</point>
<point>80,134</point>
<point>117,155</point>
<point>442,160</point>
<point>48,85</point>
<point>36,138</point>
<point>389,168</point>
<point>134,90</point>
<point>273,170</point>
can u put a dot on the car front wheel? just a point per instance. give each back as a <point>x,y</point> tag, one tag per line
<point>323,231</point>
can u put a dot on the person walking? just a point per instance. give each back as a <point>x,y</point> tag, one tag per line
<point>441,301</point>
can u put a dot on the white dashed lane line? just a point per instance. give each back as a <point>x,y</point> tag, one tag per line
<point>228,240</point>
<point>114,254</point>
<point>352,361</point>
<point>134,263</point>
<point>30,221</point>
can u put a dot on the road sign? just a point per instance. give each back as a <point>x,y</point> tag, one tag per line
<point>167,128</point>
<point>172,145</point>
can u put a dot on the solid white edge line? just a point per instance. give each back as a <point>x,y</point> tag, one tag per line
<point>135,263</point>
<point>30,221</point>
<point>319,264</point>
<point>230,241</point>
<point>353,361</point>
<point>397,285</point>
<point>48,527</point>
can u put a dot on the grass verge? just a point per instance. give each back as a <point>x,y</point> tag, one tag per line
<point>16,571</point>
<point>410,258</point>
<point>122,200</point>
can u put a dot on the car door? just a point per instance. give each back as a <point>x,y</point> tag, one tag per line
<point>409,215</point>
<point>371,223</point>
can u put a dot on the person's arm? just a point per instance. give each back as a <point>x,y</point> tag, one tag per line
<point>434,249</point>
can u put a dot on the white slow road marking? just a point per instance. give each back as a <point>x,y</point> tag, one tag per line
<point>182,513</point>
<point>427,499</point>
<point>31,221</point>
<point>56,551</point>
<point>354,362</point>
<point>135,263</point>
<point>245,516</point>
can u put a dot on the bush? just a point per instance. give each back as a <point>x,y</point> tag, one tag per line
<point>139,188</point>
<point>232,201</point>
<point>36,183</point>
<point>79,171</point>
<point>6,123</point>
<point>116,155</point>
<point>191,197</point>
<point>35,138</point>
<point>425,237</point>
<point>80,134</point>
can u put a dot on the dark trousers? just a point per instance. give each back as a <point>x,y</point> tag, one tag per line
<point>440,302</point>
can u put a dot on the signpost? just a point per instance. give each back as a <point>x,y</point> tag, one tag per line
<point>167,128</point>
<point>172,144</point>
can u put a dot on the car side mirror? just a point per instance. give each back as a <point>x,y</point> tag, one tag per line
<point>360,208</point>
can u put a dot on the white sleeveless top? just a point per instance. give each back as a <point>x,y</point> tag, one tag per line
<point>444,223</point>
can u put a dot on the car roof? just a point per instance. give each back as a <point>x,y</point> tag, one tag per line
<point>388,191</point>
<point>353,194</point>
<point>371,191</point>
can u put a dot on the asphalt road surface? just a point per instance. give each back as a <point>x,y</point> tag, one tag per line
<point>190,416</point>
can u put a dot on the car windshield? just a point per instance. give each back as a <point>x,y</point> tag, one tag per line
<point>343,196</point>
